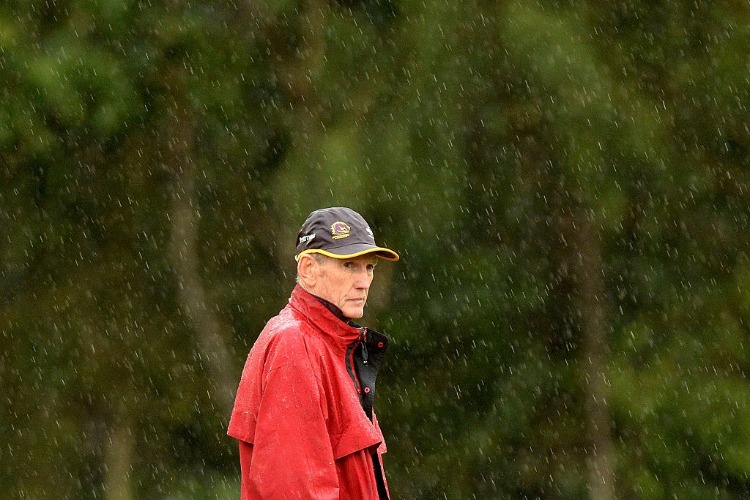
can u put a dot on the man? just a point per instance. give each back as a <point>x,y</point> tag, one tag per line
<point>304,409</point>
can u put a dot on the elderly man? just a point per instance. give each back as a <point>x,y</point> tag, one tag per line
<point>304,409</point>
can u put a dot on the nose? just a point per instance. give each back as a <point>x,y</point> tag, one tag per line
<point>363,280</point>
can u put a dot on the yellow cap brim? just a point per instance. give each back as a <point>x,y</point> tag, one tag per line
<point>382,253</point>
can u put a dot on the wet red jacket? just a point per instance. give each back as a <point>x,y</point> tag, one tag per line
<point>303,412</point>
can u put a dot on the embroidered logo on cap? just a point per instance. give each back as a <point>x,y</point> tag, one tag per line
<point>340,230</point>
<point>304,240</point>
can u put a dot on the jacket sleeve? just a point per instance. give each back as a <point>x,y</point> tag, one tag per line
<point>291,449</point>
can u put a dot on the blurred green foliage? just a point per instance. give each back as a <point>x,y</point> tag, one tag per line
<point>567,183</point>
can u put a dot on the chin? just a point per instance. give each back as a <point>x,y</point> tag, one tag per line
<point>355,314</point>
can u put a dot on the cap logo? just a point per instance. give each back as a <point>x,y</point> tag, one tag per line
<point>304,240</point>
<point>340,230</point>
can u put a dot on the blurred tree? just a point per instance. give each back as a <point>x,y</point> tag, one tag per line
<point>566,183</point>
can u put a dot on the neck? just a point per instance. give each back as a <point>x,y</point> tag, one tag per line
<point>336,311</point>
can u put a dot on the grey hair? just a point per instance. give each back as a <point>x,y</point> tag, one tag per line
<point>319,257</point>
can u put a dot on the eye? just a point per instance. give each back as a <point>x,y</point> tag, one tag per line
<point>370,267</point>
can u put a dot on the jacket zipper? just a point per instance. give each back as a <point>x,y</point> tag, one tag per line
<point>362,338</point>
<point>355,375</point>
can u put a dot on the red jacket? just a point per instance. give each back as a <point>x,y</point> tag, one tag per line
<point>301,411</point>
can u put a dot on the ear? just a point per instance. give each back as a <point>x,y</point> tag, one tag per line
<point>307,268</point>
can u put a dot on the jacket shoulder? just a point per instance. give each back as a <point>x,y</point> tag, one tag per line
<point>288,334</point>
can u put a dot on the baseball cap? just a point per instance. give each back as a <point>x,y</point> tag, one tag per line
<point>341,233</point>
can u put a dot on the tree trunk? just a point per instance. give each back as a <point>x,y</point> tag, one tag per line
<point>589,301</point>
<point>118,458</point>
<point>192,297</point>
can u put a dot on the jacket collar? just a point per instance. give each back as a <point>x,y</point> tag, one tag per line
<point>321,317</point>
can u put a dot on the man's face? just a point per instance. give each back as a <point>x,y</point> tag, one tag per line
<point>345,283</point>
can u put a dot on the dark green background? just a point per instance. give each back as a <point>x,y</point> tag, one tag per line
<point>567,183</point>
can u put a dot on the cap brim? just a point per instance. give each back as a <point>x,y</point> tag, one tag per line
<point>351,251</point>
